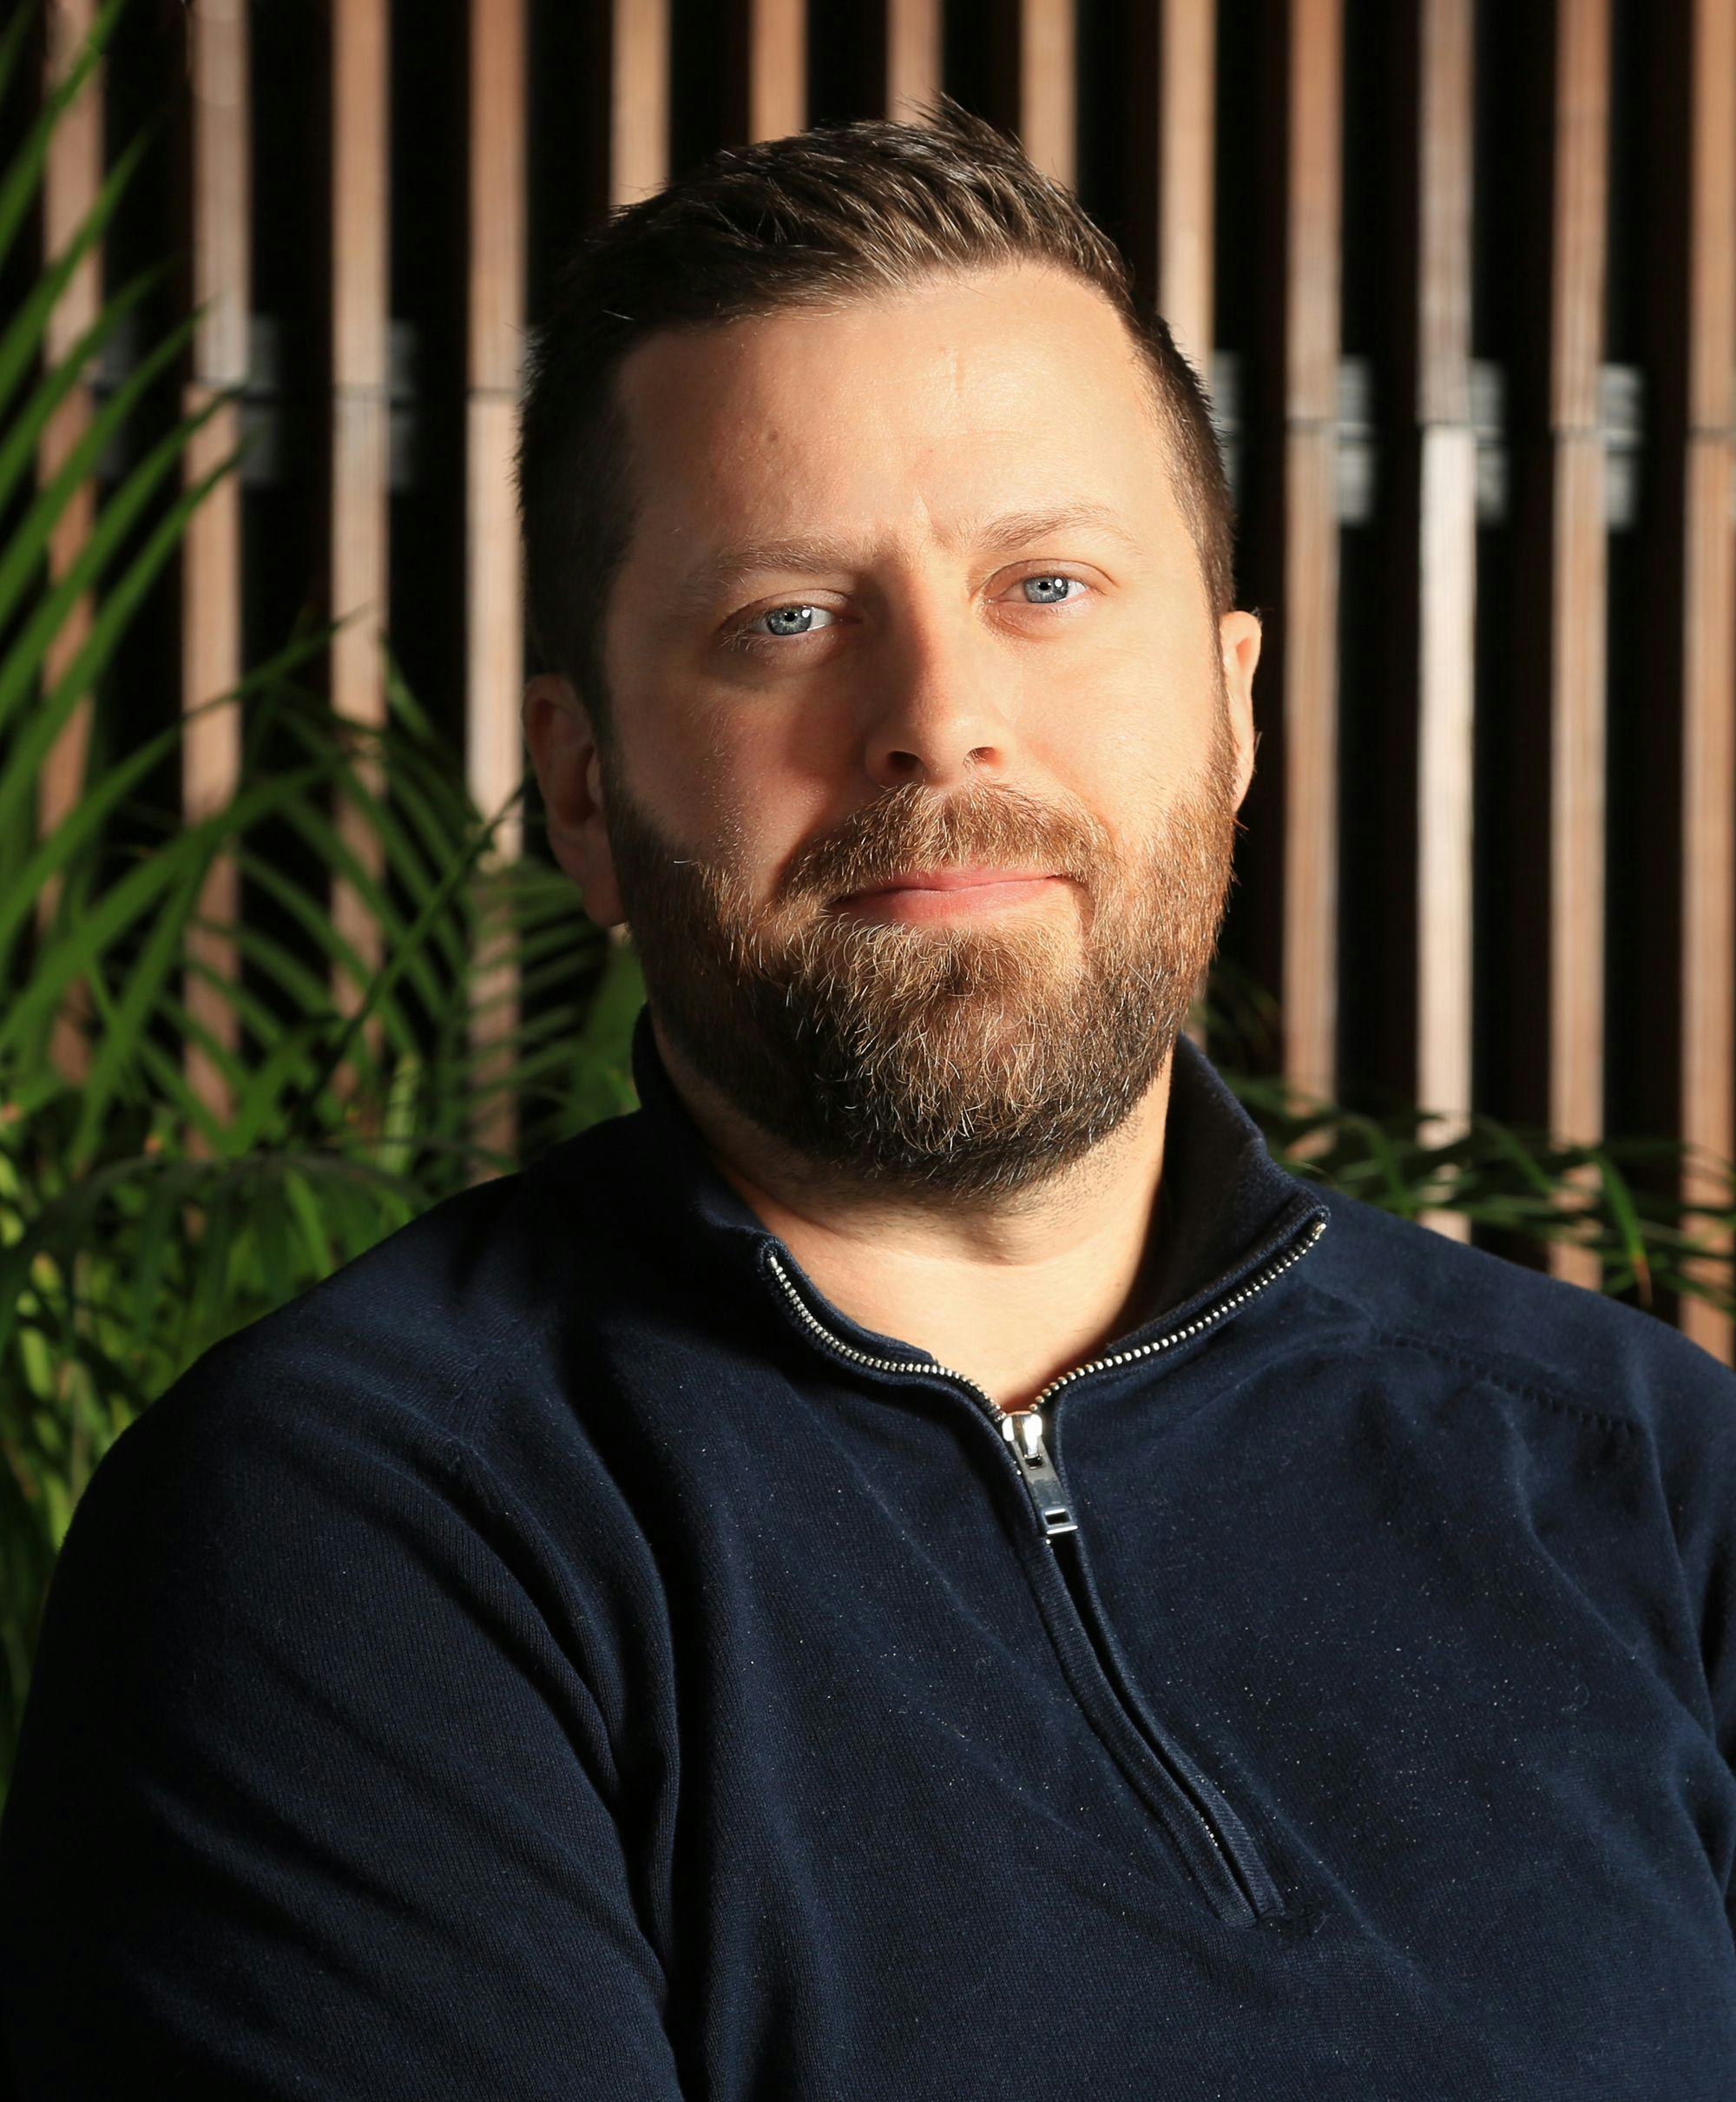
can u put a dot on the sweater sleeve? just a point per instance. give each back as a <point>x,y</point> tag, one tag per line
<point>1694,1425</point>
<point>308,1801</point>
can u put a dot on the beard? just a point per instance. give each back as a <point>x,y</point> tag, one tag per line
<point>978,1057</point>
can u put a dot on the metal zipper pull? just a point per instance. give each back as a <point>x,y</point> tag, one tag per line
<point>1022,1430</point>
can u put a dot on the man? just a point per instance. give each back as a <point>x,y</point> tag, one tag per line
<point>920,1563</point>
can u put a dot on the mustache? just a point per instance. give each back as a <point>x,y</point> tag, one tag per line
<point>912,827</point>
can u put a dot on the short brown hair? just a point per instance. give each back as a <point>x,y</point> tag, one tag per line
<point>837,212</point>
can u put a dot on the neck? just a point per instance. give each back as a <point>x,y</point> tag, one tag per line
<point>1009,1289</point>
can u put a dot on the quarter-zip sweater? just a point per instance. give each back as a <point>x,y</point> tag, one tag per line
<point>562,1656</point>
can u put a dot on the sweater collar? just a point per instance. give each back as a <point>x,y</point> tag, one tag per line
<point>1227,1204</point>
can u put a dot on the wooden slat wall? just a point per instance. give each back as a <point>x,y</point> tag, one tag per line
<point>776,42</point>
<point>1708,986</point>
<point>361,425</point>
<point>1578,584</point>
<point>71,179</point>
<point>211,562</point>
<point>1170,93</point>
<point>1183,131</point>
<point>495,667</point>
<point>1047,86</point>
<point>1312,208</point>
<point>912,44</point>
<point>639,100</point>
<point>1446,576</point>
<point>495,339</point>
<point>1187,149</point>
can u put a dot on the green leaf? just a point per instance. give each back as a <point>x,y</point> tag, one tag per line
<point>118,1050</point>
<point>19,447</point>
<point>1619,1199</point>
<point>132,895</point>
<point>398,960</point>
<point>23,173</point>
<point>19,341</point>
<point>20,558</point>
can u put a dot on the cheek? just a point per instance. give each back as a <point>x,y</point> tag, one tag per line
<point>786,765</point>
<point>746,806</point>
<point>1131,727</point>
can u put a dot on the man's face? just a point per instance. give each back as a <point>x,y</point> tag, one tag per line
<point>909,596</point>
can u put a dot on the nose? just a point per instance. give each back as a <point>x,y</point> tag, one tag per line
<point>937,713</point>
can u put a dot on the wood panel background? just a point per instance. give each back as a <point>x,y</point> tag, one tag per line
<point>1460,273</point>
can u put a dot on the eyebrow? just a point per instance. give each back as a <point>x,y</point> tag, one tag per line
<point>731,566</point>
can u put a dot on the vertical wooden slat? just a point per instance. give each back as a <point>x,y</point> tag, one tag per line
<point>1709,989</point>
<point>1578,584</point>
<point>639,100</point>
<point>1445,580</point>
<point>1047,85</point>
<point>361,423</point>
<point>1310,543</point>
<point>912,56</point>
<point>211,564</point>
<point>777,58</point>
<point>1186,145</point>
<point>495,661</point>
<point>1176,127</point>
<point>495,343</point>
<point>71,179</point>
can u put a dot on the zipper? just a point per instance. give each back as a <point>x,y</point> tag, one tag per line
<point>1231,1866</point>
<point>1022,1427</point>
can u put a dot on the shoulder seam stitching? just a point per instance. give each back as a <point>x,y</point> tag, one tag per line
<point>1541,1395</point>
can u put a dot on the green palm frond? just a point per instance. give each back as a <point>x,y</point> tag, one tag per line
<point>1619,1199</point>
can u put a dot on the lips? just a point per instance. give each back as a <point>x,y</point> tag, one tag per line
<point>952,880</point>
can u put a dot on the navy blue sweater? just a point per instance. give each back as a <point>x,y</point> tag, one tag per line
<point>564,1656</point>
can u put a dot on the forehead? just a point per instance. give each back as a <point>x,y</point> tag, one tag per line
<point>967,397</point>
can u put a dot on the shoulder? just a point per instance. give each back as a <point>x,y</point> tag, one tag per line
<point>412,1349</point>
<point>432,1407</point>
<point>1422,1290</point>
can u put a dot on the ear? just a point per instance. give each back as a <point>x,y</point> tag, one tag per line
<point>564,750</point>
<point>1239,639</point>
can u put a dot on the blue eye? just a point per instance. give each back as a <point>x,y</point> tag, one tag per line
<point>788,621</point>
<point>1047,590</point>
